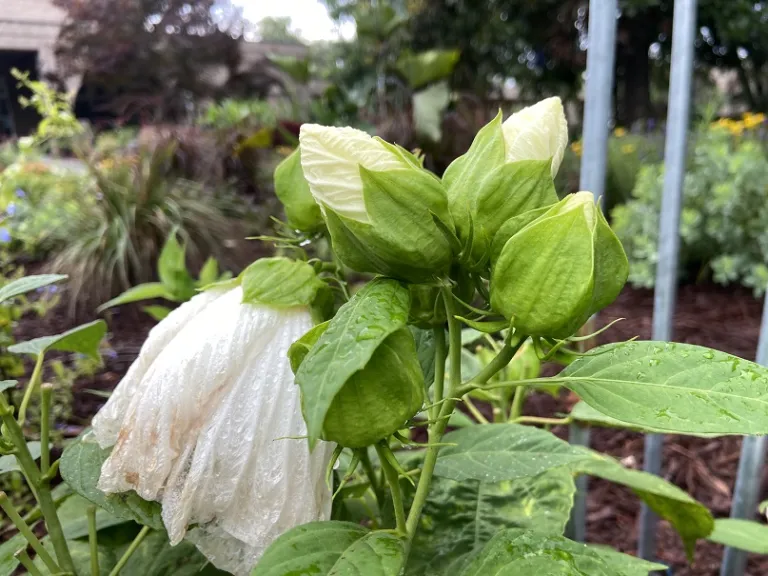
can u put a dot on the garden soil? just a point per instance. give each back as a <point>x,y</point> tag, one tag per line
<point>723,318</point>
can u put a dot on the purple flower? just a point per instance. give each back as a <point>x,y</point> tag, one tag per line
<point>20,193</point>
<point>53,289</point>
<point>5,236</point>
<point>10,209</point>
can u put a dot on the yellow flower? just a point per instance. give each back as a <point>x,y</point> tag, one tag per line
<point>619,132</point>
<point>753,120</point>
<point>628,149</point>
<point>576,148</point>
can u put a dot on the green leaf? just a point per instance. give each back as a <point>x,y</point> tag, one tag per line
<point>426,67</point>
<point>428,107</point>
<point>8,463</point>
<point>308,549</point>
<point>461,517</point>
<point>498,452</point>
<point>629,565</point>
<point>6,384</point>
<point>515,552</point>
<point>74,518</point>
<point>690,518</point>
<point>209,273</point>
<point>671,387</point>
<point>280,282</point>
<point>84,339</point>
<point>480,328</point>
<point>292,189</point>
<point>81,467</point>
<point>8,562</point>
<point>425,350</point>
<point>157,312</point>
<point>375,554</point>
<point>146,291</point>
<point>172,269</point>
<point>156,557</point>
<point>742,534</point>
<point>358,329</point>
<point>27,284</point>
<point>299,349</point>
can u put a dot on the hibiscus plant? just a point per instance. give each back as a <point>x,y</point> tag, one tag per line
<point>295,421</point>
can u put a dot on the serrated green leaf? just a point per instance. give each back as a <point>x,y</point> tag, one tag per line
<point>280,282</point>
<point>146,291</point>
<point>84,339</point>
<point>375,554</point>
<point>671,387</point>
<point>308,549</point>
<point>157,312</point>
<point>461,517</point>
<point>81,467</point>
<point>516,552</point>
<point>499,452</point>
<point>742,534</point>
<point>690,518</point>
<point>358,329</point>
<point>27,284</point>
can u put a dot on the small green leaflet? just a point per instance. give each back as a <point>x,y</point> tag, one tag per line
<point>375,554</point>
<point>743,534</point>
<point>6,384</point>
<point>308,549</point>
<point>157,312</point>
<point>84,339</point>
<point>354,334</point>
<point>27,284</point>
<point>280,282</point>
<point>8,462</point>
<point>8,562</point>
<point>672,387</point>
<point>498,452</point>
<point>172,269</point>
<point>146,291</point>
<point>690,518</point>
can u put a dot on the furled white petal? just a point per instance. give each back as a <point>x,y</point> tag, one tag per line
<point>206,429</point>
<point>538,132</point>
<point>331,160</point>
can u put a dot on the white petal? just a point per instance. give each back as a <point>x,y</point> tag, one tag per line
<point>331,160</point>
<point>106,424</point>
<point>538,132</point>
<point>205,435</point>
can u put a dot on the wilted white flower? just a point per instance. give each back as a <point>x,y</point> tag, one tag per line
<point>199,423</point>
<point>331,160</point>
<point>538,132</point>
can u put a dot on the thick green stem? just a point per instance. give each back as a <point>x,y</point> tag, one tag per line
<point>93,540</point>
<point>440,356</point>
<point>39,484</point>
<point>26,561</point>
<point>26,531</point>
<point>517,402</point>
<point>394,487</point>
<point>34,382</point>
<point>46,393</point>
<point>131,549</point>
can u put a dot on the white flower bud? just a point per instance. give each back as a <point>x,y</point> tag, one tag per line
<point>331,160</point>
<point>200,423</point>
<point>538,132</point>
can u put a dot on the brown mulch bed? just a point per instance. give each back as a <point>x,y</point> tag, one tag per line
<point>723,318</point>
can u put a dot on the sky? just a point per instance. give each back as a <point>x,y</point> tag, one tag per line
<point>309,18</point>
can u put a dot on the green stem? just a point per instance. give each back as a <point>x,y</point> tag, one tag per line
<point>46,393</point>
<point>540,420</point>
<point>131,549</point>
<point>29,536</point>
<point>517,402</point>
<point>40,485</point>
<point>26,561</point>
<point>394,487</point>
<point>440,356</point>
<point>34,382</point>
<point>531,382</point>
<point>365,460</point>
<point>474,410</point>
<point>93,540</point>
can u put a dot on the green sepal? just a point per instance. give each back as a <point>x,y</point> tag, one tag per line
<point>292,189</point>
<point>299,349</point>
<point>280,282</point>
<point>512,227</point>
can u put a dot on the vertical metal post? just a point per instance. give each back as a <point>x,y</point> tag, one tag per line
<point>750,473</point>
<point>601,48</point>
<point>578,435</point>
<point>675,152</point>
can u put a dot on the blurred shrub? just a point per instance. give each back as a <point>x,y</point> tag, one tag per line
<point>243,115</point>
<point>724,223</point>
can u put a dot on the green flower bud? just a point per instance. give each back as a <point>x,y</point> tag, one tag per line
<point>379,399</point>
<point>551,274</point>
<point>508,170</point>
<point>301,210</point>
<point>427,307</point>
<point>385,213</point>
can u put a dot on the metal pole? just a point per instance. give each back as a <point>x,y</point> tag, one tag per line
<point>747,489</point>
<point>601,48</point>
<point>675,152</point>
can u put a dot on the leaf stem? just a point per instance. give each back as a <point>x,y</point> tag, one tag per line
<point>373,479</point>
<point>394,487</point>
<point>26,561</point>
<point>34,381</point>
<point>26,531</point>
<point>93,540</point>
<point>40,485</point>
<point>46,393</point>
<point>440,356</point>
<point>540,420</point>
<point>131,549</point>
<point>517,403</point>
<point>474,410</point>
